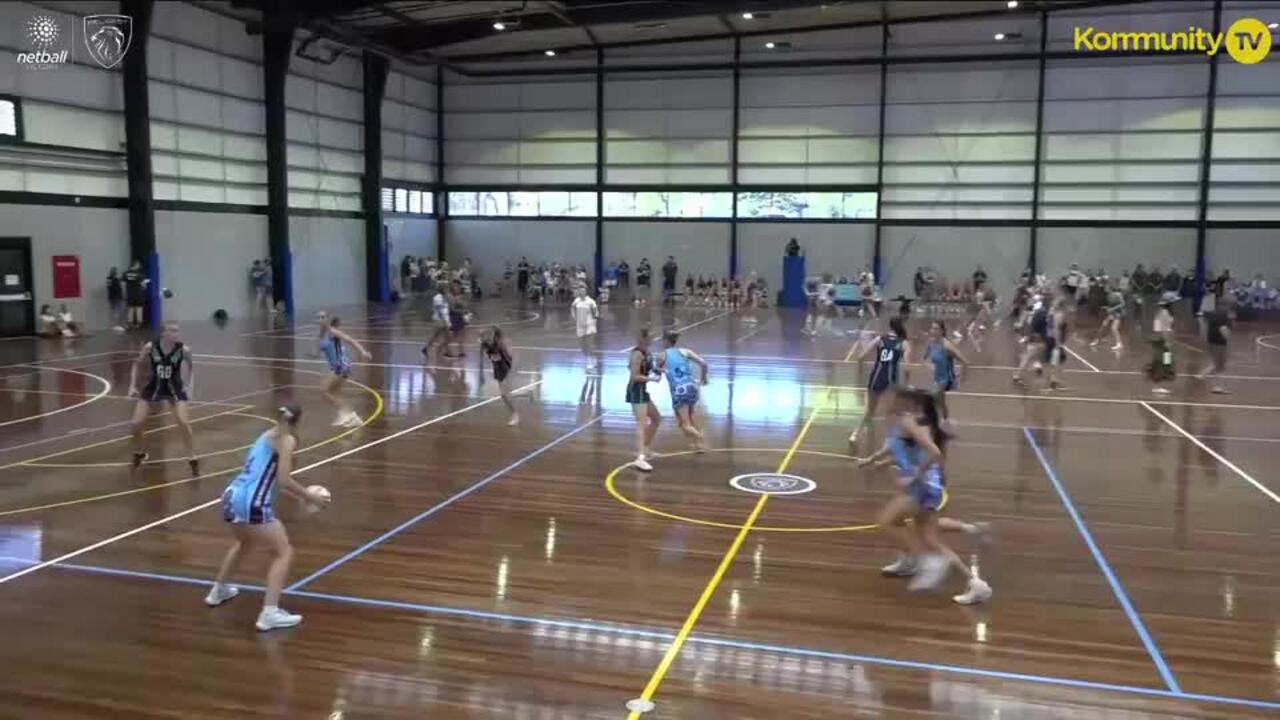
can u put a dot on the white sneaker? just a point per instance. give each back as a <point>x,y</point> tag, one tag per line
<point>219,594</point>
<point>977,591</point>
<point>353,420</point>
<point>932,571</point>
<point>853,437</point>
<point>904,566</point>
<point>1160,390</point>
<point>277,618</point>
<point>642,464</point>
<point>339,420</point>
<point>515,419</point>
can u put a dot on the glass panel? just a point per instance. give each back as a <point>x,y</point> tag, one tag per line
<point>402,200</point>
<point>415,201</point>
<point>462,203</point>
<point>523,204</point>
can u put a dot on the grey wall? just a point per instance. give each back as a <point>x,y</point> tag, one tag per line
<point>100,236</point>
<point>410,236</point>
<point>490,243</point>
<point>205,260</point>
<point>328,262</point>
<point>1115,249</point>
<point>701,248</point>
<point>842,249</point>
<point>1246,253</point>
<point>954,252</point>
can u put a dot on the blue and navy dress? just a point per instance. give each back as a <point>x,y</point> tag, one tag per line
<point>927,490</point>
<point>684,390</point>
<point>884,374</point>
<point>944,366</point>
<point>251,497</point>
<point>331,348</point>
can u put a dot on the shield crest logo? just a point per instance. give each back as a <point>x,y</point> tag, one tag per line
<point>107,38</point>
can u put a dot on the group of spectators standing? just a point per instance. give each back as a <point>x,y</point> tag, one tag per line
<point>557,281</point>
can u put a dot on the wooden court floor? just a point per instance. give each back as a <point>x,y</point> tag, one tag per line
<point>467,569</point>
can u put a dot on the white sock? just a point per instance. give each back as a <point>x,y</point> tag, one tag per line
<point>269,609</point>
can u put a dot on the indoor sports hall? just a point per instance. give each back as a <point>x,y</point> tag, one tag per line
<point>567,359</point>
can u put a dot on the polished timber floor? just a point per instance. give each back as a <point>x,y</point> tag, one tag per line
<point>467,569</point>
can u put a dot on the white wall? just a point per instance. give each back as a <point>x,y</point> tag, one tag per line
<point>328,262</point>
<point>1245,253</point>
<point>491,243</point>
<point>408,128</point>
<point>1115,250</point>
<point>841,249</point>
<point>205,259</point>
<point>954,252</point>
<point>700,248</point>
<point>410,236</point>
<point>100,236</point>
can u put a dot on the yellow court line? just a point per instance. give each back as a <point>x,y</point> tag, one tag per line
<point>646,697</point>
<point>100,443</point>
<point>377,412</point>
<point>162,461</point>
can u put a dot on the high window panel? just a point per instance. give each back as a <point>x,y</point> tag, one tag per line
<point>807,205</point>
<point>672,205</point>
<point>503,203</point>
<point>8,118</point>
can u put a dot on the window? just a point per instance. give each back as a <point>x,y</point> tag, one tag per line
<point>797,205</point>
<point>9,118</point>
<point>407,201</point>
<point>650,204</point>
<point>545,203</point>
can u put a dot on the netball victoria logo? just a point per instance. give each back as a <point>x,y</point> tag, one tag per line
<point>50,40</point>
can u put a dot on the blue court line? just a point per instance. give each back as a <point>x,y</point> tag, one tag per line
<point>439,506</point>
<point>633,631</point>
<point>1152,649</point>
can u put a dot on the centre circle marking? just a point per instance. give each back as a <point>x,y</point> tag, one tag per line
<point>610,484</point>
<point>764,483</point>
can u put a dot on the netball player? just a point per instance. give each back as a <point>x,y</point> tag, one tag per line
<point>943,354</point>
<point>643,372</point>
<point>169,361</point>
<point>675,363</point>
<point>331,346</point>
<point>494,346</point>
<point>1111,323</point>
<point>248,505</point>
<point>916,445</point>
<point>1037,338</point>
<point>890,350</point>
<point>585,314</point>
<point>1160,370</point>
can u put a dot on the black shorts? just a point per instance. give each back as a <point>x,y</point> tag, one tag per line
<point>643,281</point>
<point>500,371</point>
<point>638,393</point>
<point>156,392</point>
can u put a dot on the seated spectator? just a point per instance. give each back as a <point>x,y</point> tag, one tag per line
<point>51,325</point>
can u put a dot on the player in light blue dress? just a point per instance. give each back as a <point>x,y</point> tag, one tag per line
<point>331,342</point>
<point>248,506</point>
<point>915,447</point>
<point>677,363</point>
<point>943,354</point>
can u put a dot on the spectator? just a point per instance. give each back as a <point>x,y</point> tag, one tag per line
<point>643,273</point>
<point>522,275</point>
<point>917,283</point>
<point>979,278</point>
<point>669,271</point>
<point>49,327</point>
<point>135,293</point>
<point>624,274</point>
<point>270,283</point>
<point>793,248</point>
<point>258,279</point>
<point>69,326</point>
<point>115,299</point>
<point>404,274</point>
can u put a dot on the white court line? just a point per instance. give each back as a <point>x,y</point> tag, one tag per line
<point>1188,346</point>
<point>683,328</point>
<point>759,327</point>
<point>40,363</point>
<point>1080,357</point>
<point>106,390</point>
<point>1265,490</point>
<point>85,431</point>
<point>215,501</point>
<point>313,361</point>
<point>1084,429</point>
<point>1262,340</point>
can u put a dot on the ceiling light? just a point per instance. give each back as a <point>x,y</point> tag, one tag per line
<point>499,25</point>
<point>748,16</point>
<point>770,45</point>
<point>999,36</point>
<point>1012,4</point>
<point>549,53</point>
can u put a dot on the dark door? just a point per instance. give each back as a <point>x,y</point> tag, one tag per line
<point>17,304</point>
